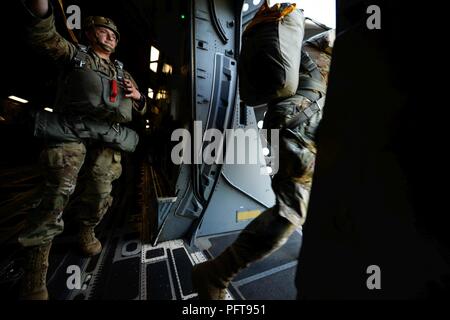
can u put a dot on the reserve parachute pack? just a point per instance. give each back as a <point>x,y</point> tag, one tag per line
<point>56,127</point>
<point>270,57</point>
<point>86,91</point>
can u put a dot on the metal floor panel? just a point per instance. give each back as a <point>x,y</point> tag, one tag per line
<point>129,268</point>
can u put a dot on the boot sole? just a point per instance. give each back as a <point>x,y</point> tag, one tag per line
<point>202,285</point>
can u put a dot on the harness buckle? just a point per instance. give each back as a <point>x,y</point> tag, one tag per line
<point>79,62</point>
<point>116,127</point>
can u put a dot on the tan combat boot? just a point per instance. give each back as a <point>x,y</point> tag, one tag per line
<point>261,237</point>
<point>89,244</point>
<point>35,276</point>
<point>210,279</point>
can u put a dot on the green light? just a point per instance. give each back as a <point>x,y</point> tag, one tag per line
<point>183,16</point>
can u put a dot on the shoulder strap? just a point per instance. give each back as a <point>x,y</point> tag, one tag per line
<point>81,57</point>
<point>312,81</point>
<point>310,66</point>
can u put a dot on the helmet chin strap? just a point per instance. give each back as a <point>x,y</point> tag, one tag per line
<point>104,46</point>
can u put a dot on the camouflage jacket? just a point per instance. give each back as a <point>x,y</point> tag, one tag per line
<point>45,39</point>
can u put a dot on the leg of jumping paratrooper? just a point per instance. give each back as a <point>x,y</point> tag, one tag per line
<point>61,164</point>
<point>272,228</point>
<point>262,236</point>
<point>104,167</point>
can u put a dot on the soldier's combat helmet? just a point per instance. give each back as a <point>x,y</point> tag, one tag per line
<point>99,21</point>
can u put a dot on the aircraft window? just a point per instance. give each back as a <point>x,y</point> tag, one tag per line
<point>245,7</point>
<point>323,11</point>
<point>154,57</point>
<point>150,93</point>
<point>256,2</point>
<point>154,66</point>
<point>266,152</point>
<point>154,54</point>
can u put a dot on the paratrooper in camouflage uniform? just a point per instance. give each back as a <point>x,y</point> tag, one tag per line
<point>62,160</point>
<point>292,182</point>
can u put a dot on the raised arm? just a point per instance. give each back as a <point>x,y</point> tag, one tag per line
<point>42,34</point>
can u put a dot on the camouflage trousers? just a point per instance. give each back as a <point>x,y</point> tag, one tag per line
<point>62,164</point>
<point>297,153</point>
<point>291,184</point>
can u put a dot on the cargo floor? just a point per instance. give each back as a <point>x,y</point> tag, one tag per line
<point>131,269</point>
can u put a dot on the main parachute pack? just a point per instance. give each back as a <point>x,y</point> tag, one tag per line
<point>270,57</point>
